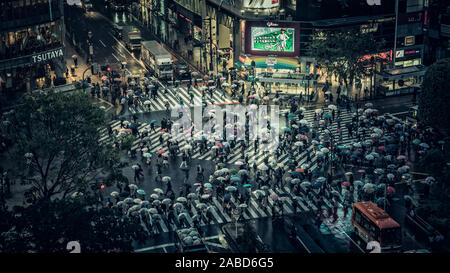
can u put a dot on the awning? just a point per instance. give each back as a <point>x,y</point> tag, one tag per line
<point>272,62</point>
<point>403,73</point>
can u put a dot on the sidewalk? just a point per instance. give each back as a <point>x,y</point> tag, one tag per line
<point>81,67</point>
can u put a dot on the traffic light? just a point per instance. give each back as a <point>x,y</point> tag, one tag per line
<point>109,69</point>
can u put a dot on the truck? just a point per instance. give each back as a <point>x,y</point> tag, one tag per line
<point>189,240</point>
<point>132,37</point>
<point>157,59</point>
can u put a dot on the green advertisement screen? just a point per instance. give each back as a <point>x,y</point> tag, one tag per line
<point>275,39</point>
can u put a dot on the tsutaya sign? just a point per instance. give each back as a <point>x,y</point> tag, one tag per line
<point>47,55</point>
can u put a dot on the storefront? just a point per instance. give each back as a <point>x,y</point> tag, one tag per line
<point>400,81</point>
<point>408,57</point>
<point>271,55</point>
<point>31,72</point>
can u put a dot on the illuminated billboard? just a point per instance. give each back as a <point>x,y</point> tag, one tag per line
<point>272,39</point>
<point>261,4</point>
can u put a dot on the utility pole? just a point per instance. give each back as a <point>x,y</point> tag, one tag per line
<point>395,35</point>
<point>204,26</point>
<point>210,45</point>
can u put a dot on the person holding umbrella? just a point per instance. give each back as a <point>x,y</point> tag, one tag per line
<point>138,172</point>
<point>152,126</point>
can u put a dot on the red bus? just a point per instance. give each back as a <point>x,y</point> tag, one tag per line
<point>371,223</point>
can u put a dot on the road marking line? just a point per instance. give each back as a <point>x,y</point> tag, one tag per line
<point>154,247</point>
<point>307,249</point>
<point>102,42</point>
<point>343,232</point>
<point>132,56</point>
<point>115,57</point>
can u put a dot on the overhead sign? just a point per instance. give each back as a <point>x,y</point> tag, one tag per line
<point>48,55</point>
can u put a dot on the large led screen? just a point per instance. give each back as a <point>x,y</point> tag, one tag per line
<point>272,39</point>
<point>261,4</point>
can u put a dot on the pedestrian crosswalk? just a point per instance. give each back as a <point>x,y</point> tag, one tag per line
<point>255,209</point>
<point>174,95</point>
<point>157,140</point>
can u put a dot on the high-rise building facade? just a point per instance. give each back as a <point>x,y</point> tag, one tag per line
<point>31,44</point>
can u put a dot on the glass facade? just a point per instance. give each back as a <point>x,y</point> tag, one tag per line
<point>30,30</point>
<point>29,40</point>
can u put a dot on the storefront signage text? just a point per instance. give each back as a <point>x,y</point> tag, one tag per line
<point>410,18</point>
<point>47,55</point>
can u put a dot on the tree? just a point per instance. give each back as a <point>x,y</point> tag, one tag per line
<point>434,99</point>
<point>55,137</point>
<point>436,209</point>
<point>47,227</point>
<point>341,53</point>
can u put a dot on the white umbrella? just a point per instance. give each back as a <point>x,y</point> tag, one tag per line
<point>166,179</point>
<point>153,210</point>
<point>176,205</point>
<point>114,194</point>
<point>166,201</point>
<point>158,190</point>
<point>201,206</point>
<point>332,107</point>
<point>181,199</point>
<point>133,186</point>
<point>238,163</point>
<point>263,167</point>
<point>154,196</point>
<point>206,196</point>
<point>192,196</point>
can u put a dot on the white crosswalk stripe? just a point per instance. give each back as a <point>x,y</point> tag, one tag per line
<point>253,211</point>
<point>174,96</point>
<point>303,203</point>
